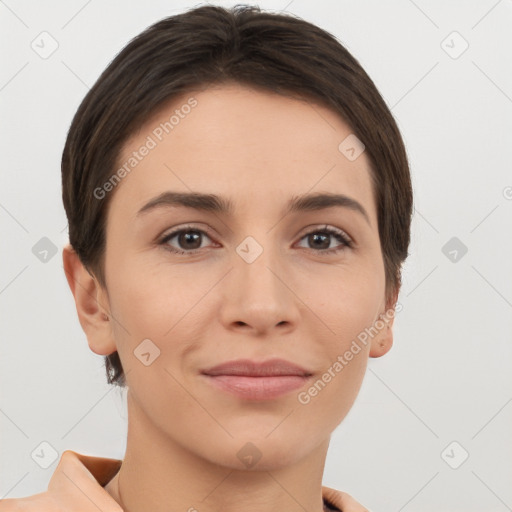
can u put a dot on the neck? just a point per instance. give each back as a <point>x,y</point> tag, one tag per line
<point>159,474</point>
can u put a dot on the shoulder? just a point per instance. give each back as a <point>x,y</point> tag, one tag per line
<point>340,500</point>
<point>75,484</point>
<point>42,502</point>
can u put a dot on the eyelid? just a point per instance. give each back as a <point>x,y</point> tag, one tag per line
<point>328,227</point>
<point>347,242</point>
<point>187,227</point>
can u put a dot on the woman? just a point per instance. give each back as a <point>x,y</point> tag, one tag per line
<point>258,140</point>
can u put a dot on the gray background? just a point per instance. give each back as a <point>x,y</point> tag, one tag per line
<point>446,379</point>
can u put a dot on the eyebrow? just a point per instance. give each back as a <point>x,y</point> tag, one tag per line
<point>217,204</point>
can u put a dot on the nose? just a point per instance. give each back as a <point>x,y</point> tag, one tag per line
<point>258,296</point>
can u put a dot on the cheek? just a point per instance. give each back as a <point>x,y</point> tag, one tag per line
<point>152,296</point>
<point>332,393</point>
<point>150,302</point>
<point>343,303</point>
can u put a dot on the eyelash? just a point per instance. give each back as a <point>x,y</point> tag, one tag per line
<point>338,234</point>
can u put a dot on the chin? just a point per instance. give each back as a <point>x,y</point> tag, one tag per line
<point>259,454</point>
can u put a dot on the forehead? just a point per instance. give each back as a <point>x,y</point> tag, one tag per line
<point>251,146</point>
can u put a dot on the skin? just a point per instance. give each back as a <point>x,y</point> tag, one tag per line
<point>258,149</point>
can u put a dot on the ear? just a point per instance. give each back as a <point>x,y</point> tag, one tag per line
<point>91,302</point>
<point>381,343</point>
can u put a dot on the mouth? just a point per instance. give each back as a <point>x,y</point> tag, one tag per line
<point>253,380</point>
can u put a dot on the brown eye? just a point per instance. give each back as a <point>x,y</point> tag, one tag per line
<point>188,240</point>
<point>321,240</point>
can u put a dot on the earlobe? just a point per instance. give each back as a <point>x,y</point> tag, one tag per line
<point>91,303</point>
<point>383,341</point>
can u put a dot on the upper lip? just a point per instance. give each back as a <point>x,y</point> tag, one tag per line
<point>247,367</point>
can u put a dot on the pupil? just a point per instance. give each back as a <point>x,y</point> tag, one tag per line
<point>188,237</point>
<point>316,236</point>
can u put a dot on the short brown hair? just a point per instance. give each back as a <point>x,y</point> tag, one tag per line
<point>213,45</point>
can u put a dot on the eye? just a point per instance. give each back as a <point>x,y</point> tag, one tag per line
<point>187,238</point>
<point>322,238</point>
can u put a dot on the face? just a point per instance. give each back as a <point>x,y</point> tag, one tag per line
<point>257,281</point>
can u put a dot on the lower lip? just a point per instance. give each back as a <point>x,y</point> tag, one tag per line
<point>257,388</point>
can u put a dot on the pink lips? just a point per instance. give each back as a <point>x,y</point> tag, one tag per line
<point>257,381</point>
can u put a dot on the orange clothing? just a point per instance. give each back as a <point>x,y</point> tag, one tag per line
<point>77,485</point>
